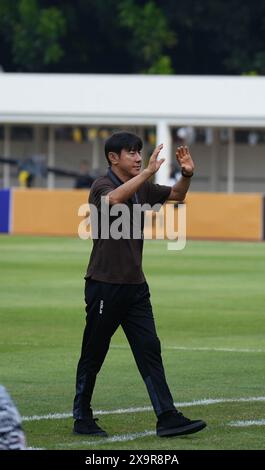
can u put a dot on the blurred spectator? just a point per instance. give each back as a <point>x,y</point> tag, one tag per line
<point>253,138</point>
<point>26,173</point>
<point>31,168</point>
<point>185,135</point>
<point>174,176</point>
<point>11,434</point>
<point>84,179</point>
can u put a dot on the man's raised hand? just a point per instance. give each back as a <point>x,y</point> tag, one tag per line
<point>154,164</point>
<point>184,160</point>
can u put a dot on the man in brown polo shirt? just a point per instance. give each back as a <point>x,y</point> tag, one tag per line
<point>116,291</point>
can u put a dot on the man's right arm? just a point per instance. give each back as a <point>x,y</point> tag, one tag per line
<point>126,190</point>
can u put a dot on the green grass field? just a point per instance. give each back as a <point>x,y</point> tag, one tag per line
<point>209,305</point>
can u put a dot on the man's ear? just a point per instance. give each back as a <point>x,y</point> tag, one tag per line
<point>113,157</point>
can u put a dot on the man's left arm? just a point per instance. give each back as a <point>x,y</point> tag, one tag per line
<point>179,190</point>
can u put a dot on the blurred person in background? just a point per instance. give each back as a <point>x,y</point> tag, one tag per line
<point>32,171</point>
<point>175,174</point>
<point>84,179</point>
<point>26,173</point>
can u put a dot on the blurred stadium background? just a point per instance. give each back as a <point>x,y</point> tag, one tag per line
<point>63,120</point>
<point>58,103</point>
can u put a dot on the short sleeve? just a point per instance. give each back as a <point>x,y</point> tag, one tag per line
<point>157,194</point>
<point>99,189</point>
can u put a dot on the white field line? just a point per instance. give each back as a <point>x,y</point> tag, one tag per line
<point>184,348</point>
<point>140,435</point>
<point>116,438</point>
<point>202,402</point>
<point>48,416</point>
<point>35,448</point>
<point>258,422</point>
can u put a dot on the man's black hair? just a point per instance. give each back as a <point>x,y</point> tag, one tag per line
<point>122,140</point>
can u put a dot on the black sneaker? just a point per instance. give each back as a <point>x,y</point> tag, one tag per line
<point>173,423</point>
<point>88,426</point>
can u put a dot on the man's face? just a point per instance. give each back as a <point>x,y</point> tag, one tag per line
<point>130,162</point>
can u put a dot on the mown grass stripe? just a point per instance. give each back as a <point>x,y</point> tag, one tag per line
<point>184,348</point>
<point>116,438</point>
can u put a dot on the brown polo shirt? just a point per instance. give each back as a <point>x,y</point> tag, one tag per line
<point>120,261</point>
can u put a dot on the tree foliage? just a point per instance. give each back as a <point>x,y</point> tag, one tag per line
<point>32,33</point>
<point>150,34</point>
<point>133,36</point>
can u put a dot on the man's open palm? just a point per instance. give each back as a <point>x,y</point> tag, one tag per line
<point>154,164</point>
<point>184,159</point>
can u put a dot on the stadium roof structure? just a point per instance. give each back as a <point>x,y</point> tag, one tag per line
<point>129,100</point>
<point>132,99</point>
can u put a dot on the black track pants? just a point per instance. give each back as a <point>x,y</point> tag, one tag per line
<point>108,306</point>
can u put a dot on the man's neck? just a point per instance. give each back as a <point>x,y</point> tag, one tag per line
<point>120,174</point>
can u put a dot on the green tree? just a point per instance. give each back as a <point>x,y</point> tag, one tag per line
<point>217,37</point>
<point>95,41</point>
<point>150,36</point>
<point>133,36</point>
<point>32,33</point>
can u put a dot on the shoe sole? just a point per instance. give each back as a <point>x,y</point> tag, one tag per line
<point>189,429</point>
